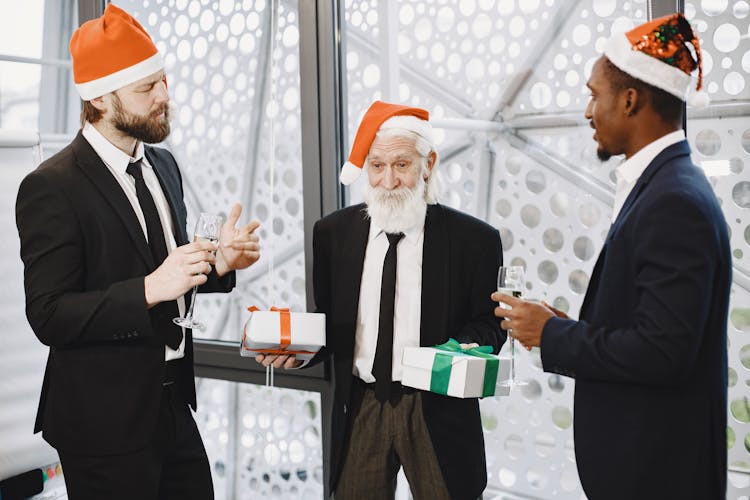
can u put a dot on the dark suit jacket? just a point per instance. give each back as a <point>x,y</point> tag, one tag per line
<point>649,352</point>
<point>461,256</point>
<point>85,258</point>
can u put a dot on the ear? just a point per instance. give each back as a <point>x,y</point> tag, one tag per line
<point>99,103</point>
<point>431,159</point>
<point>632,103</point>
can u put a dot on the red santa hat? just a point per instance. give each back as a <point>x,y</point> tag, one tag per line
<point>381,116</point>
<point>656,53</point>
<point>111,52</point>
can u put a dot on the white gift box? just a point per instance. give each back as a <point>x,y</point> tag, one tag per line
<point>467,373</point>
<point>279,331</point>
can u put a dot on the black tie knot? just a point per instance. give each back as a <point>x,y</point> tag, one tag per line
<point>134,169</point>
<point>394,238</point>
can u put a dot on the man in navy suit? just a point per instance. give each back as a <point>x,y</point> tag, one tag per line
<point>108,265</point>
<point>649,350</point>
<point>401,270</point>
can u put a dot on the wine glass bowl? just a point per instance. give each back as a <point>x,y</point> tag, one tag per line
<point>206,229</point>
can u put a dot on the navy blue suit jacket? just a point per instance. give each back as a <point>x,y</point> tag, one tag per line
<point>649,351</point>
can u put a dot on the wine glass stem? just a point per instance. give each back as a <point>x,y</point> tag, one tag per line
<point>192,303</point>
<point>512,360</point>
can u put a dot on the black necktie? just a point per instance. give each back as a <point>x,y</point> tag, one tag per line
<point>382,366</point>
<point>156,241</point>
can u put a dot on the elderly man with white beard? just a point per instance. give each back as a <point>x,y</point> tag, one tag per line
<point>400,270</point>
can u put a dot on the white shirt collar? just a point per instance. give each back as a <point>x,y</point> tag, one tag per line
<point>108,152</point>
<point>412,236</point>
<point>631,169</point>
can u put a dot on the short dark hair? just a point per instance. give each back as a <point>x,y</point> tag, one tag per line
<point>89,113</point>
<point>667,106</point>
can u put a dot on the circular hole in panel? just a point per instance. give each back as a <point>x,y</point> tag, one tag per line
<point>562,417</point>
<point>536,478</point>
<point>581,35</point>
<point>589,214</point>
<point>726,38</point>
<point>562,304</point>
<point>713,7</point>
<point>547,271</point>
<point>559,202</point>
<point>604,8</point>
<point>531,215</point>
<point>741,194</point>
<point>731,438</point>
<point>540,95</point>
<point>708,142</point>
<point>503,208</point>
<point>514,447</point>
<point>513,164</point>
<point>734,83</point>
<point>532,391</point>
<point>569,479</point>
<point>583,248</point>
<point>745,356</point>
<point>536,181</point>
<point>506,237</point>
<point>553,239</point>
<point>544,445</point>
<point>740,410</point>
<point>736,165</point>
<point>732,377</point>
<point>507,477</point>
<point>740,316</point>
<point>556,382</point>
<point>740,9</point>
<point>578,281</point>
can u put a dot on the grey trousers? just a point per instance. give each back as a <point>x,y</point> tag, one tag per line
<point>384,438</point>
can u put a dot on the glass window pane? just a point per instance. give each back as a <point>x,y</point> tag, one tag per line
<point>236,120</point>
<point>19,95</point>
<point>261,442</point>
<point>21,29</point>
<point>719,136</point>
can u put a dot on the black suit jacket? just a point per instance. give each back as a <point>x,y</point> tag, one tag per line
<point>649,352</point>
<point>85,258</point>
<point>461,256</point>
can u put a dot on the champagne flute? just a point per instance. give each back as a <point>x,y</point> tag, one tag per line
<point>510,281</point>
<point>206,229</point>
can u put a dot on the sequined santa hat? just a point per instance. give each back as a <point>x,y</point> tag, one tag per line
<point>381,116</point>
<point>656,52</point>
<point>110,52</point>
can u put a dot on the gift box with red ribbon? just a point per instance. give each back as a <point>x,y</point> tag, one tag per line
<point>280,331</point>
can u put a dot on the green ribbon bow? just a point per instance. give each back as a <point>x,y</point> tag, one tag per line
<point>442,365</point>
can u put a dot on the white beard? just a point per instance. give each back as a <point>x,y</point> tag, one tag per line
<point>396,210</point>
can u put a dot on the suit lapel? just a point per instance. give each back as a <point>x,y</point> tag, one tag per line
<point>173,194</point>
<point>435,277</point>
<point>679,149</point>
<point>95,169</point>
<point>352,262</point>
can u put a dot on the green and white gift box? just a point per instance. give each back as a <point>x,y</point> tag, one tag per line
<point>453,371</point>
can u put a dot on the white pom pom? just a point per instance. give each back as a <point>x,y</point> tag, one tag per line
<point>349,173</point>
<point>698,99</point>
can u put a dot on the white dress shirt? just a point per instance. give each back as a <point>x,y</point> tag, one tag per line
<point>117,162</point>
<point>628,172</point>
<point>408,305</point>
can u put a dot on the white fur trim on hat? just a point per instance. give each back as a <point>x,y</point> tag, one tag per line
<point>349,173</point>
<point>106,84</point>
<point>619,50</point>
<point>410,123</point>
